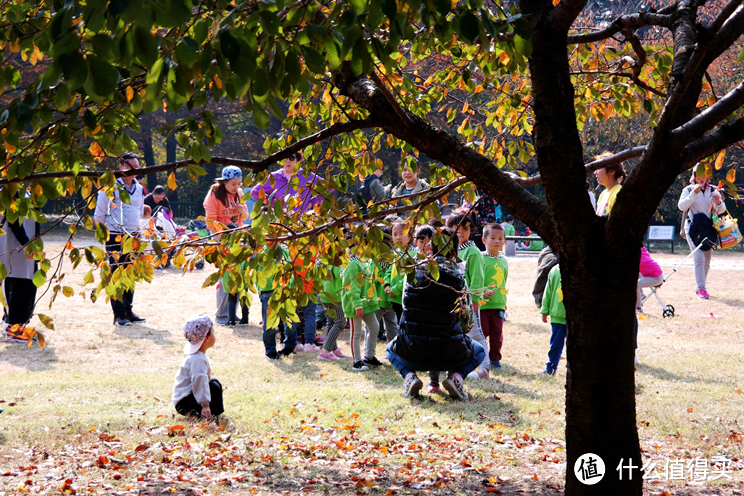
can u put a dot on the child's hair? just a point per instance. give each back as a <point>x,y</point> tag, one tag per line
<point>509,218</point>
<point>159,190</point>
<point>220,192</point>
<point>492,227</point>
<point>435,223</point>
<point>392,219</point>
<point>445,243</point>
<point>459,218</point>
<point>147,212</point>
<point>618,172</point>
<point>424,232</point>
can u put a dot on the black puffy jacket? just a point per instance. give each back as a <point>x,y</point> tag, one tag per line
<point>430,329</point>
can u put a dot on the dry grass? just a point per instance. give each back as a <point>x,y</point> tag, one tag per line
<point>94,378</point>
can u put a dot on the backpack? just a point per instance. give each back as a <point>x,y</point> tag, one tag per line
<point>365,189</point>
<point>701,230</point>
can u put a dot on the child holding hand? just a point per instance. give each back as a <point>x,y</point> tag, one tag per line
<point>195,392</point>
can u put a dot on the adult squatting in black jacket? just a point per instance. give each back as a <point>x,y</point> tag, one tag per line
<point>431,332</point>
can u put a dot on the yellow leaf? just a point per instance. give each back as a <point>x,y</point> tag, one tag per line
<point>719,159</point>
<point>130,93</point>
<point>9,147</point>
<point>731,175</point>
<point>172,181</point>
<point>218,81</point>
<point>465,107</point>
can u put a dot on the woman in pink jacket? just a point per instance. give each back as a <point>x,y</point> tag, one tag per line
<point>651,276</point>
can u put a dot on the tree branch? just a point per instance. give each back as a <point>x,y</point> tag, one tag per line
<point>565,13</point>
<point>391,99</point>
<point>707,145</point>
<point>626,22</point>
<point>590,167</point>
<point>252,165</point>
<point>710,117</point>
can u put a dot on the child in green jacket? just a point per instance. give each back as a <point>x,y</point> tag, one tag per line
<point>552,305</point>
<point>463,225</point>
<point>331,300</point>
<point>360,305</point>
<point>495,274</point>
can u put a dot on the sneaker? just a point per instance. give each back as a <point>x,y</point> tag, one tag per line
<point>14,337</point>
<point>328,356</point>
<point>639,311</point>
<point>548,371</point>
<point>134,318</point>
<point>299,348</point>
<point>230,323</point>
<point>495,365</point>
<point>412,385</point>
<point>479,373</point>
<point>372,362</point>
<point>120,321</point>
<point>359,367</point>
<point>319,339</point>
<point>286,351</point>
<point>311,347</point>
<point>243,322</point>
<point>220,322</point>
<point>340,353</point>
<point>274,355</point>
<point>433,387</point>
<point>455,387</point>
<point>382,337</point>
<point>702,294</point>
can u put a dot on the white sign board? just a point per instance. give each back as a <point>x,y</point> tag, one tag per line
<point>661,232</point>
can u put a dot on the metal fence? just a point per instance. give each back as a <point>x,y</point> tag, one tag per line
<point>65,204</point>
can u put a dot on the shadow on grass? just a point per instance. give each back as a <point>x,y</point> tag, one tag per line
<point>33,359</point>
<point>730,302</point>
<point>665,375</point>
<point>158,337</point>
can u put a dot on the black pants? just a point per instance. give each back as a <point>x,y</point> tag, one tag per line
<point>189,406</point>
<point>121,306</point>
<point>232,309</point>
<point>398,309</point>
<point>20,295</point>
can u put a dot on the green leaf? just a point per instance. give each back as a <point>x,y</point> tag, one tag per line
<point>261,118</point>
<point>469,26</point>
<point>314,61</point>
<point>3,272</point>
<point>39,278</point>
<point>523,46</point>
<point>186,52</point>
<point>359,6</point>
<point>74,69</point>
<point>102,76</point>
<point>102,233</point>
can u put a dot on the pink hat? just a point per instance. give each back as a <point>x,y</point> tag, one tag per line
<point>195,331</point>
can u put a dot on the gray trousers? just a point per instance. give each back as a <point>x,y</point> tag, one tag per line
<point>370,336</point>
<point>221,315</point>
<point>701,262</point>
<point>647,282</point>
<point>476,334</point>
<point>390,321</point>
<point>336,324</point>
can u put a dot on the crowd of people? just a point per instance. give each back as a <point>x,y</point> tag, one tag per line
<point>451,323</point>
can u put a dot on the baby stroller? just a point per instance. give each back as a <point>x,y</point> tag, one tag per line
<point>668,310</point>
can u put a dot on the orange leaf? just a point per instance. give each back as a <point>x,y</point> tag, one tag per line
<point>178,427</point>
<point>141,447</point>
<point>172,180</point>
<point>689,410</point>
<point>719,159</point>
<point>731,175</point>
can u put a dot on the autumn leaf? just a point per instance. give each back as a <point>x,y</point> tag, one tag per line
<point>175,428</point>
<point>731,175</point>
<point>172,180</point>
<point>719,159</point>
<point>689,410</point>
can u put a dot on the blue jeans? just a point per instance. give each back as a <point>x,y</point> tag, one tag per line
<point>557,339</point>
<point>464,368</point>
<point>269,335</point>
<point>310,318</point>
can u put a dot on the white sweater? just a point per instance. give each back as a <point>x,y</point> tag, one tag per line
<point>699,203</point>
<point>193,376</point>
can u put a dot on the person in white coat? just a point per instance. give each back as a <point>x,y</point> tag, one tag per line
<point>122,218</point>
<point>700,198</point>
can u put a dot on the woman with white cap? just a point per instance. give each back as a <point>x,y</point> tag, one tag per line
<point>700,198</point>
<point>224,209</point>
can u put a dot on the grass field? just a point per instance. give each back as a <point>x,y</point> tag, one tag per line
<point>92,411</point>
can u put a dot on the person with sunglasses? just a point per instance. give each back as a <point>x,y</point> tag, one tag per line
<point>282,189</point>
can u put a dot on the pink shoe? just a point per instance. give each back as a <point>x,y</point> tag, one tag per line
<point>311,347</point>
<point>328,356</point>
<point>299,347</point>
<point>433,387</point>
<point>319,339</point>
<point>340,353</point>
<point>702,294</point>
